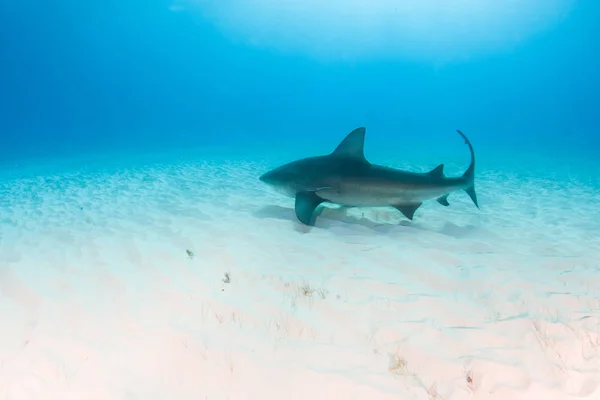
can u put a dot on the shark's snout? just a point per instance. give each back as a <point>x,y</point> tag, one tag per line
<point>267,178</point>
<point>278,177</point>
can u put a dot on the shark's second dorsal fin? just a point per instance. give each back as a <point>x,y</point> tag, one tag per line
<point>438,171</point>
<point>353,146</point>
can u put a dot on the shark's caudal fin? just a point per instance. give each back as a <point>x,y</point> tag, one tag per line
<point>469,174</point>
<point>353,146</point>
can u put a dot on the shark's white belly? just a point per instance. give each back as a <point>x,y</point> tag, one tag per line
<point>381,197</point>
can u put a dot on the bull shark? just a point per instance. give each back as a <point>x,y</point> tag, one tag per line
<point>346,178</point>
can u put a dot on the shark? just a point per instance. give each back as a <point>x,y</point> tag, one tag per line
<point>345,177</point>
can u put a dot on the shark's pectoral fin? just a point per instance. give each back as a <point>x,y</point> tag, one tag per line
<point>438,171</point>
<point>443,200</point>
<point>408,210</point>
<point>306,204</point>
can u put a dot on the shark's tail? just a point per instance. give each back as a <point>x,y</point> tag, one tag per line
<point>469,174</point>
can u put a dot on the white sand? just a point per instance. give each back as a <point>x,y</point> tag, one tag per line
<point>99,299</point>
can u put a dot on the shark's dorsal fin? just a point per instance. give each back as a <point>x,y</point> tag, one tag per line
<point>438,171</point>
<point>353,146</point>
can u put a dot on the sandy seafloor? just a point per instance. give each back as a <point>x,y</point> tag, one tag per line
<point>99,298</point>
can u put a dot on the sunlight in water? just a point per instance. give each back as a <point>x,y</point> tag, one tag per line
<point>430,29</point>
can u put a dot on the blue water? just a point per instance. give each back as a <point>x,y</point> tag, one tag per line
<point>96,77</point>
<point>132,136</point>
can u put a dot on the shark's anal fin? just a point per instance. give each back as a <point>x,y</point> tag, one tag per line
<point>438,171</point>
<point>443,200</point>
<point>408,210</point>
<point>306,204</point>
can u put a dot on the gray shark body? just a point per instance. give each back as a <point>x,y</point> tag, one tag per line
<point>345,177</point>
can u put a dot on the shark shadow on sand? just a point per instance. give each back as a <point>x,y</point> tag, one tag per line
<point>331,217</point>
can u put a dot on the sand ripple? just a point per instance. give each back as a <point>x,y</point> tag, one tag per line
<point>101,300</point>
